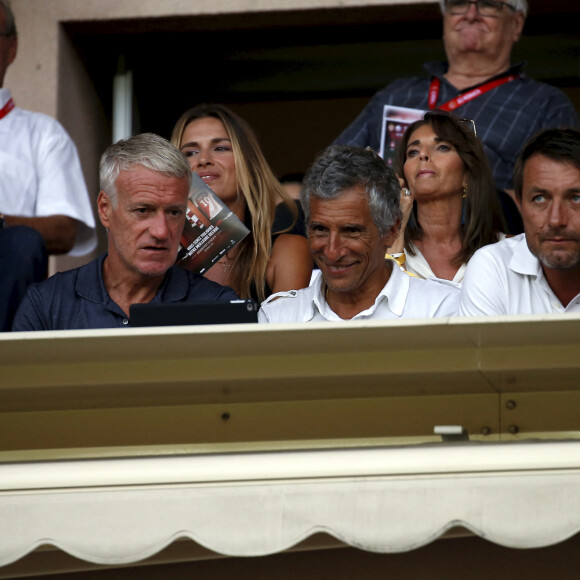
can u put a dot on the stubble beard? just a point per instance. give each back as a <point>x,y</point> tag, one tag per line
<point>557,259</point>
<point>568,261</point>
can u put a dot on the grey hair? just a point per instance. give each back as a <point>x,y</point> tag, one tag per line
<point>342,167</point>
<point>519,5</point>
<point>145,150</point>
<point>10,22</point>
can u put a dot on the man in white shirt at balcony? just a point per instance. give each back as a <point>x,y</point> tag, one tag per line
<point>44,202</point>
<point>351,204</point>
<point>537,271</point>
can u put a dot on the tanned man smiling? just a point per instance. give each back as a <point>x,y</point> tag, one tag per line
<point>350,199</point>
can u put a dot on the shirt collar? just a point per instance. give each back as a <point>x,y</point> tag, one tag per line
<point>439,68</point>
<point>394,292</point>
<point>523,261</point>
<point>318,302</point>
<point>91,286</point>
<point>5,96</point>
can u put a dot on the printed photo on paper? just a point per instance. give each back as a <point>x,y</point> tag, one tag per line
<point>395,123</point>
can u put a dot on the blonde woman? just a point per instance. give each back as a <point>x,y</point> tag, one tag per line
<point>224,151</point>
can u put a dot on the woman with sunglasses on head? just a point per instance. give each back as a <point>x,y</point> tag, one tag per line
<point>449,198</point>
<point>224,151</point>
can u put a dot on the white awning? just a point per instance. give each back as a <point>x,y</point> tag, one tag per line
<point>387,499</point>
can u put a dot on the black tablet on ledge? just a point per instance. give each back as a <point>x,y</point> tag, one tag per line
<point>183,313</point>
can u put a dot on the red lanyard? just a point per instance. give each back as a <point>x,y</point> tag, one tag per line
<point>465,97</point>
<point>6,108</point>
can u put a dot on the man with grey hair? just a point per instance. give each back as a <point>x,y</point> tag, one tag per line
<point>142,204</point>
<point>351,203</point>
<point>478,83</point>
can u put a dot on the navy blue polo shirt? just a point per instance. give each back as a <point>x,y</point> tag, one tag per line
<point>78,299</point>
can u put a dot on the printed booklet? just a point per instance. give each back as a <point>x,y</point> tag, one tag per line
<point>210,231</point>
<point>395,123</point>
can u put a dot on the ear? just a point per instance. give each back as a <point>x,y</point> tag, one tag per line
<point>519,20</point>
<point>104,209</point>
<point>12,49</point>
<point>8,54</point>
<point>389,238</point>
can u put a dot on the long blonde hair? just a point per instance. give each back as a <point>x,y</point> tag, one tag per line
<point>260,188</point>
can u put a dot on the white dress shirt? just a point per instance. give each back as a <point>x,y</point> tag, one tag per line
<point>40,173</point>
<point>506,278</point>
<point>402,297</point>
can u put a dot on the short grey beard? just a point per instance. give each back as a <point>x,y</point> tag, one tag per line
<point>570,263</point>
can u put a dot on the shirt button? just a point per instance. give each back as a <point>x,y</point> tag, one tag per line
<point>125,321</point>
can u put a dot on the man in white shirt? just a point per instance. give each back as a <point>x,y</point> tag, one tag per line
<point>538,271</point>
<point>351,204</point>
<point>44,202</point>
